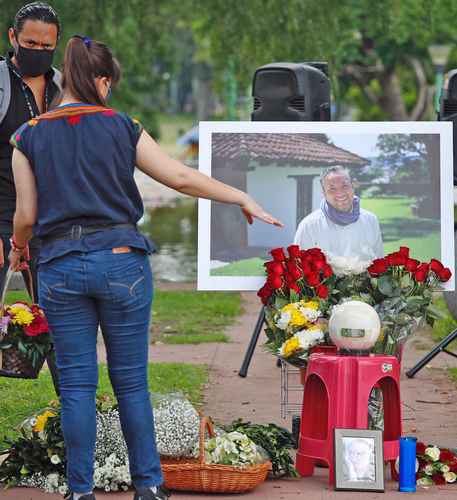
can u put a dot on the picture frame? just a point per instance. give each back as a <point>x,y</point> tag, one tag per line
<point>359,460</point>
<point>401,173</point>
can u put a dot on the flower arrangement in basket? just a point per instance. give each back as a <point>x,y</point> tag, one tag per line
<point>302,287</point>
<point>24,339</point>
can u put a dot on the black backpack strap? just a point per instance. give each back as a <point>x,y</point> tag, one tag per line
<point>5,89</point>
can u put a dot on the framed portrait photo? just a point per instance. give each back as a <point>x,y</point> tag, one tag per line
<point>357,190</point>
<point>359,460</point>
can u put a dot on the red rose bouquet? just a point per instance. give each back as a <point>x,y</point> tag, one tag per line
<point>401,289</point>
<point>296,296</point>
<point>25,328</point>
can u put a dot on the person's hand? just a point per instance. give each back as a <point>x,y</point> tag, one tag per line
<point>2,254</point>
<point>252,210</point>
<point>18,259</point>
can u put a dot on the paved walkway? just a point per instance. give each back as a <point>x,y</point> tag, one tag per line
<point>429,409</point>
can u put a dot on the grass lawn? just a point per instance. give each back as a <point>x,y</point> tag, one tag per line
<point>444,327</point>
<point>185,317</point>
<point>188,317</point>
<point>22,398</point>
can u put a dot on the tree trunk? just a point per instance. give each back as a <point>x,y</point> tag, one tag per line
<point>391,101</point>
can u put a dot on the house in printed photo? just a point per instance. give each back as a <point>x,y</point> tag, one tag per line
<point>281,172</point>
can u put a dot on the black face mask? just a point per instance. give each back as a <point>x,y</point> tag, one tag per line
<point>33,62</point>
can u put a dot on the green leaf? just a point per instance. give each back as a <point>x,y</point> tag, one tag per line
<point>385,285</point>
<point>294,297</point>
<point>21,347</point>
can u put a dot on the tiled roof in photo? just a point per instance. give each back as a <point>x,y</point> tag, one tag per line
<point>290,149</point>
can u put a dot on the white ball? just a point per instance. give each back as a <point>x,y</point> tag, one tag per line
<point>354,325</point>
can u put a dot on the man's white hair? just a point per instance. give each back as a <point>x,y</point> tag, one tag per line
<point>334,170</point>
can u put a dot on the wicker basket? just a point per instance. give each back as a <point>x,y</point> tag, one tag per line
<point>12,362</point>
<point>196,475</point>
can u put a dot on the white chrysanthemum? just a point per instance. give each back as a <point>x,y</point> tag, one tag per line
<point>312,315</point>
<point>445,468</point>
<point>283,321</point>
<point>344,266</point>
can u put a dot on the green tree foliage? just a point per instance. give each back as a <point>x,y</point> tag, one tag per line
<point>377,50</point>
<point>141,34</point>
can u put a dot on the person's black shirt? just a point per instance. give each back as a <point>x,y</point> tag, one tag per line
<point>18,113</point>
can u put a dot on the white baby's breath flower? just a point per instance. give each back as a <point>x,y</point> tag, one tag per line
<point>344,266</point>
<point>433,452</point>
<point>312,315</point>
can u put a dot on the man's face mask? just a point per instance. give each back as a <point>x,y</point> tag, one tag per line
<point>33,62</point>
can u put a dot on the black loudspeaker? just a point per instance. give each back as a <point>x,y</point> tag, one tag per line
<point>291,92</point>
<point>448,109</point>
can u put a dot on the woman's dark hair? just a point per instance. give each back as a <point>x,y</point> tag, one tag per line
<point>36,11</point>
<point>84,61</point>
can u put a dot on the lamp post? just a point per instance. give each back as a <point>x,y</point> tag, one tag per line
<point>439,55</point>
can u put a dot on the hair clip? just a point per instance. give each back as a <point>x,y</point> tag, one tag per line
<point>87,40</point>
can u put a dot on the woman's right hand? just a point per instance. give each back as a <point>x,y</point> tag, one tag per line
<point>253,210</point>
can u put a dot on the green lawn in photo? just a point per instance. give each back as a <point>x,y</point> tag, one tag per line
<point>191,317</point>
<point>246,267</point>
<point>22,398</point>
<point>400,227</point>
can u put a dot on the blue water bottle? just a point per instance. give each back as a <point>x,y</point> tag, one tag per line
<point>407,481</point>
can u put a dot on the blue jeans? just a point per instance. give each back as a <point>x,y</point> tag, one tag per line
<point>79,292</point>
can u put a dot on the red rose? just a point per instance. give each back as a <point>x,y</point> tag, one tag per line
<point>294,287</point>
<point>294,271</point>
<point>278,254</point>
<point>420,448</point>
<point>265,293</point>
<point>38,326</point>
<point>438,479</point>
<point>294,251</point>
<point>316,253</point>
<point>274,267</point>
<point>446,455</point>
<point>313,279</point>
<point>404,251</point>
<point>379,266</point>
<point>327,271</point>
<point>411,265</point>
<point>306,268</point>
<point>453,466</point>
<point>322,291</point>
<point>420,275</point>
<point>398,259</point>
<point>318,265</point>
<point>276,282</point>
<point>445,274</point>
<point>424,267</point>
<point>436,266</point>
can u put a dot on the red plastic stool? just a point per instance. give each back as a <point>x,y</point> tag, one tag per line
<point>336,395</point>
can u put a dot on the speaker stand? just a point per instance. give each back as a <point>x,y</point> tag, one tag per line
<point>441,347</point>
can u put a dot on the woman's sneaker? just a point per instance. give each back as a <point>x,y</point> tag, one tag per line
<point>156,493</point>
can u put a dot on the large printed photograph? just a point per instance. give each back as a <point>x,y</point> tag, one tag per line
<point>354,189</point>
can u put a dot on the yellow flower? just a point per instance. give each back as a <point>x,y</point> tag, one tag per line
<point>21,316</point>
<point>310,304</point>
<point>41,420</point>
<point>289,347</point>
<point>296,317</point>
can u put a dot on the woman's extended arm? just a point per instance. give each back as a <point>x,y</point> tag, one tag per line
<point>153,161</point>
<point>26,205</point>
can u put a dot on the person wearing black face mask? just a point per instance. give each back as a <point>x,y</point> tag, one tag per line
<point>28,85</point>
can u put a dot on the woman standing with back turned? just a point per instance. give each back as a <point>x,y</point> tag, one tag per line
<point>73,169</point>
